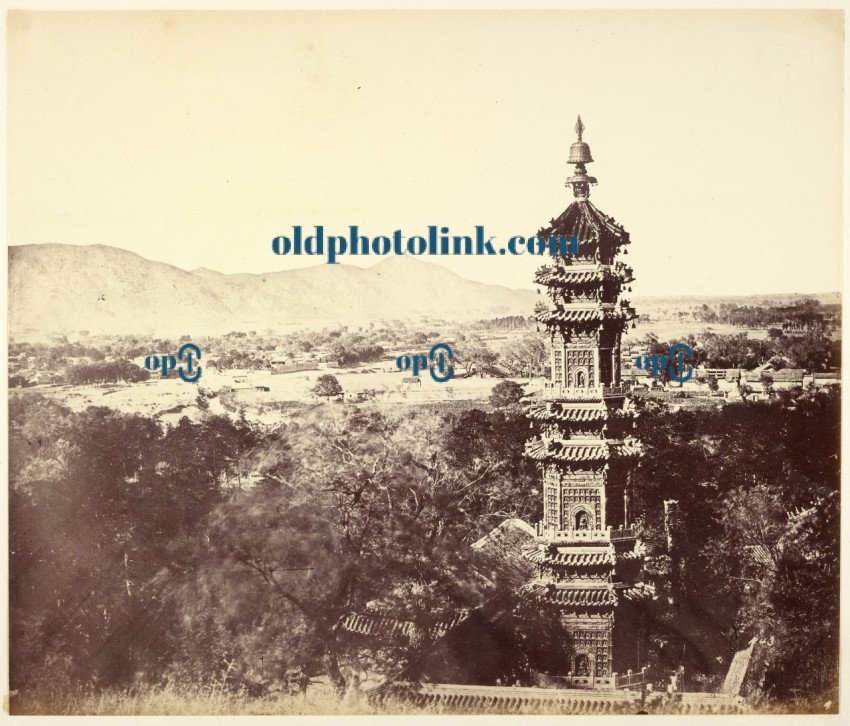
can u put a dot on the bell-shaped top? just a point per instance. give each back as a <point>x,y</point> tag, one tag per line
<point>580,155</point>
<point>579,151</point>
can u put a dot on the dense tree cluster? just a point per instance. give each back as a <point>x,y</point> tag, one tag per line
<point>813,351</point>
<point>807,312</point>
<point>215,546</point>
<point>171,566</point>
<point>745,562</point>
<point>106,372</point>
<point>507,323</point>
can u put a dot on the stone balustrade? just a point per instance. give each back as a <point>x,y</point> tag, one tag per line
<point>552,392</point>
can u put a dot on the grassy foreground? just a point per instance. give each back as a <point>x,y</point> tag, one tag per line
<point>174,701</point>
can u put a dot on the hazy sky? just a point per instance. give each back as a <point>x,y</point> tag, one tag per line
<point>194,138</point>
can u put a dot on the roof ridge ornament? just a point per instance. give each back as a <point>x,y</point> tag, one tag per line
<point>580,155</point>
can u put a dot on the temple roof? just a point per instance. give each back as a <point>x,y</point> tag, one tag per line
<point>582,274</point>
<point>571,557</point>
<point>582,450</point>
<point>544,410</point>
<point>584,221</point>
<point>582,314</point>
<point>578,412</point>
<point>574,595</point>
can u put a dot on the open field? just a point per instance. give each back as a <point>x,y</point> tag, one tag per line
<point>169,400</point>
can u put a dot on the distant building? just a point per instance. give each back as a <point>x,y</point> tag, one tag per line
<point>829,378</point>
<point>783,379</point>
<point>280,366</point>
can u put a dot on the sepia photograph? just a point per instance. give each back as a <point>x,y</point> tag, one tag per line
<point>423,362</point>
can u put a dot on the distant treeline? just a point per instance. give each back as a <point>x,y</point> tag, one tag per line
<point>345,357</point>
<point>807,313</point>
<point>106,372</point>
<point>511,322</point>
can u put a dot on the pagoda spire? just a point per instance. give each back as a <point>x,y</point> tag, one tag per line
<point>580,155</point>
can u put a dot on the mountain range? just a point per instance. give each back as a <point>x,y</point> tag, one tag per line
<point>67,288</point>
<point>103,289</point>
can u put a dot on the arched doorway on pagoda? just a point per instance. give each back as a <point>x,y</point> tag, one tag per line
<point>581,664</point>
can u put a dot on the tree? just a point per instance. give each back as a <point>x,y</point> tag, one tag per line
<point>124,498</point>
<point>506,394</point>
<point>526,356</point>
<point>713,385</point>
<point>356,517</point>
<point>327,385</point>
<point>475,356</point>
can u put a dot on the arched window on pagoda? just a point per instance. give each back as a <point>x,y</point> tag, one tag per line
<point>582,520</point>
<point>580,379</point>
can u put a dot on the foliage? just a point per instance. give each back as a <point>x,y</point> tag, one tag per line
<point>327,385</point>
<point>527,356</point>
<point>122,497</point>
<point>736,474</point>
<point>506,394</point>
<point>106,372</point>
<point>220,553</point>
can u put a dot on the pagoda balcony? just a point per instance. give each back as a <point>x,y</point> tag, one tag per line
<point>609,534</point>
<point>554,392</point>
<point>574,535</point>
<point>623,534</point>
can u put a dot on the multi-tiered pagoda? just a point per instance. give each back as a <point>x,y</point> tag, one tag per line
<point>585,549</point>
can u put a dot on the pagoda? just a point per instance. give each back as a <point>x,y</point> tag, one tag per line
<point>586,551</point>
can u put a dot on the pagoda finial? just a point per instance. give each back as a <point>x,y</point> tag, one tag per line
<point>580,155</point>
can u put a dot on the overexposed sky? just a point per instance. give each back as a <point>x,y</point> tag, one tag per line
<point>194,138</point>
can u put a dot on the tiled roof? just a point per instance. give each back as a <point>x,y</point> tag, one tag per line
<point>584,221</point>
<point>582,314</point>
<point>639,591</point>
<point>578,450</point>
<point>601,597</point>
<point>788,374</point>
<point>568,412</point>
<point>370,623</point>
<point>593,450</point>
<point>628,448</point>
<point>785,375</point>
<point>822,376</point>
<point>760,554</point>
<point>582,274</point>
<point>571,557</point>
<point>499,556</point>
